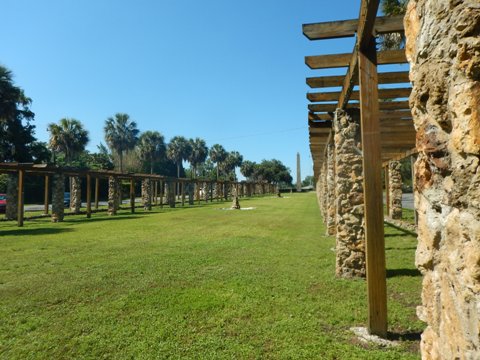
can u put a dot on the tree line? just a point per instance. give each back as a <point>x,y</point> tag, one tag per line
<point>126,150</point>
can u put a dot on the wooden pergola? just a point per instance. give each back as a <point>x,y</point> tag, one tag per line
<point>47,171</point>
<point>387,131</point>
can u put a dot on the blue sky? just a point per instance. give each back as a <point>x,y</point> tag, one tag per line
<point>230,72</point>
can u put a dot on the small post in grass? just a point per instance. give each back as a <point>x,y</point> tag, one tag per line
<point>21,174</point>
<point>45,209</point>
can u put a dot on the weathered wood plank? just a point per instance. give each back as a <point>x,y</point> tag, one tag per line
<point>393,77</point>
<point>348,28</point>
<point>342,60</point>
<point>385,105</point>
<point>392,93</point>
<point>372,167</point>
<point>89,196</point>
<point>46,195</point>
<point>20,204</point>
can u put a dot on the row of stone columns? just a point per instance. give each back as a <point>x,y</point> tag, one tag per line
<point>341,196</point>
<point>211,190</point>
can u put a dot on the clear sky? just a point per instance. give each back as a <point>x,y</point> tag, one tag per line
<point>230,72</point>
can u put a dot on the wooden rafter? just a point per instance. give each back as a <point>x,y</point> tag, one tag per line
<point>348,28</point>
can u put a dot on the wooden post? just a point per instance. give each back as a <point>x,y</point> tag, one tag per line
<point>183,192</point>
<point>387,190</point>
<point>45,199</point>
<point>97,185</point>
<point>89,196</point>
<point>161,194</point>
<point>132,196</point>
<point>372,184</point>
<point>155,191</point>
<point>21,175</point>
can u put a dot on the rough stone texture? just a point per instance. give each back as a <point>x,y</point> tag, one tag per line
<point>330,214</point>
<point>118,201</point>
<point>112,195</point>
<point>207,190</point>
<point>11,211</point>
<point>58,190</point>
<point>75,194</point>
<point>170,190</point>
<point>443,47</point>
<point>395,188</point>
<point>189,189</point>
<point>350,224</point>
<point>147,194</point>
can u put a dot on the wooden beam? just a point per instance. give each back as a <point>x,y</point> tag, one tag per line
<point>132,196</point>
<point>46,195</point>
<point>394,77</point>
<point>21,176</point>
<point>97,186</point>
<point>384,105</point>
<point>392,93</point>
<point>331,61</point>
<point>89,196</point>
<point>372,168</point>
<point>348,28</point>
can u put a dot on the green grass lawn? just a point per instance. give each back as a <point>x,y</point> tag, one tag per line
<point>194,283</point>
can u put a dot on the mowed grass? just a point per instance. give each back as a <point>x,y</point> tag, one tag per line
<point>194,283</point>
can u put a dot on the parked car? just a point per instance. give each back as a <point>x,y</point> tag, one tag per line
<point>3,202</point>
<point>66,199</point>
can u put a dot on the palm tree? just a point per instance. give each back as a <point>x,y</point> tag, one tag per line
<point>68,137</point>
<point>234,159</point>
<point>248,169</point>
<point>151,146</point>
<point>16,131</point>
<point>121,134</point>
<point>393,41</point>
<point>218,154</point>
<point>198,154</point>
<point>178,150</point>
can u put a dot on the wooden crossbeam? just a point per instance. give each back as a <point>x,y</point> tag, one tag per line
<point>355,95</point>
<point>386,105</point>
<point>313,117</point>
<point>342,60</point>
<point>348,28</point>
<point>393,77</point>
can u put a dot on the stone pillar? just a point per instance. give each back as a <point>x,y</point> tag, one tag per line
<point>170,190</point>
<point>330,218</point>
<point>58,191</point>
<point>112,195</point>
<point>190,192</point>
<point>118,202</point>
<point>395,189</point>
<point>75,194</point>
<point>443,47</point>
<point>11,211</point>
<point>350,224</point>
<point>147,194</point>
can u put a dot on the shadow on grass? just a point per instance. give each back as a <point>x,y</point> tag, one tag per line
<point>402,230</point>
<point>401,248</point>
<point>402,272</point>
<point>405,336</point>
<point>103,218</point>
<point>33,232</point>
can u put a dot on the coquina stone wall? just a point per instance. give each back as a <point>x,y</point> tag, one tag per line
<point>395,188</point>
<point>113,195</point>
<point>350,234</point>
<point>58,190</point>
<point>11,211</point>
<point>75,194</point>
<point>443,47</point>
<point>330,218</point>
<point>147,194</point>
